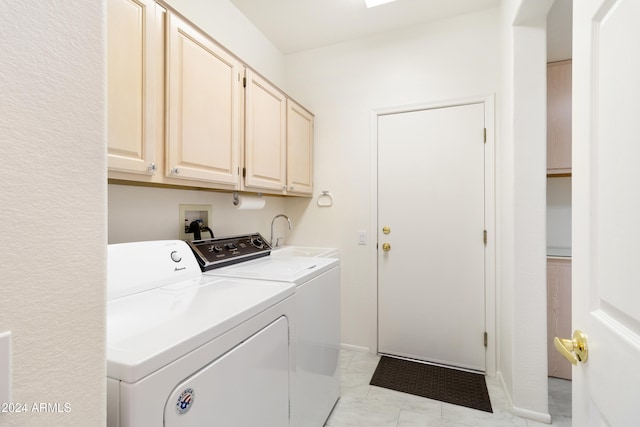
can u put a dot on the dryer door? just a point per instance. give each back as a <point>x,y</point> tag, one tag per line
<point>246,387</point>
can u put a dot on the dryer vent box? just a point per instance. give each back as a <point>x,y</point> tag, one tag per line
<point>190,213</point>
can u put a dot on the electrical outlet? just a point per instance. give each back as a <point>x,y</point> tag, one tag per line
<point>190,213</point>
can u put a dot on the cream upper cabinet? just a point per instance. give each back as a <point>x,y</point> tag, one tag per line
<point>265,135</point>
<point>203,107</point>
<point>131,84</point>
<point>299,150</point>
<point>559,117</point>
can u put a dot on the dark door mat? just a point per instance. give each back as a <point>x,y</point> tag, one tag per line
<point>434,382</point>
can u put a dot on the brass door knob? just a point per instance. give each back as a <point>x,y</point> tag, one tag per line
<point>574,350</point>
<point>386,229</point>
<point>386,247</point>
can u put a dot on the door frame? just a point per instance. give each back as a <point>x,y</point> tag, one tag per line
<point>490,215</point>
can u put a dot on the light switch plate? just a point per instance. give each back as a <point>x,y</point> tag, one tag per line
<point>362,237</point>
<point>5,367</point>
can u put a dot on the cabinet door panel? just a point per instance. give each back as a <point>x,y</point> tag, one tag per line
<point>559,117</point>
<point>131,85</point>
<point>265,146</point>
<point>558,314</point>
<point>299,149</point>
<point>203,107</point>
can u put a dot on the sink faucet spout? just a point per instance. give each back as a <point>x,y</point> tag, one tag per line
<point>274,220</point>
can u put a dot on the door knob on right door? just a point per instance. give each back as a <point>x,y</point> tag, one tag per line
<point>574,350</point>
<point>386,247</point>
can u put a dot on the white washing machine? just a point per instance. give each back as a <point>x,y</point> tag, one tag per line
<point>317,330</point>
<point>184,349</point>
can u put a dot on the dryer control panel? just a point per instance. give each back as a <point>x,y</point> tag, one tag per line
<point>220,252</point>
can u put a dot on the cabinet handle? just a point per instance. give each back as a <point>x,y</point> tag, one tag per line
<point>152,168</point>
<point>284,188</point>
<point>175,171</point>
<point>291,188</point>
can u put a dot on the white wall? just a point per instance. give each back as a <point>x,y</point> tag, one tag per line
<point>140,213</point>
<point>342,84</point>
<point>521,178</point>
<point>53,198</point>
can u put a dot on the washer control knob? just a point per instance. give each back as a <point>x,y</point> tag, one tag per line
<point>257,242</point>
<point>175,256</point>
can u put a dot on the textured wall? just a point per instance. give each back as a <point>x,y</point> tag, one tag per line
<point>53,208</point>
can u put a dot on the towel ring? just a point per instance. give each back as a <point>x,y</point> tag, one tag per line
<point>325,199</point>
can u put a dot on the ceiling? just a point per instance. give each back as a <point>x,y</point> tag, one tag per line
<point>296,25</point>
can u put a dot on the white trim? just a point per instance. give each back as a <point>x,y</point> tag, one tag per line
<point>490,215</point>
<point>540,417</point>
<point>357,348</point>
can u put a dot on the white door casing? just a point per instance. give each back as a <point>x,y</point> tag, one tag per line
<point>606,210</point>
<point>433,236</point>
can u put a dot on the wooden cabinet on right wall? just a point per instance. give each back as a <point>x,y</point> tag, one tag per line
<point>559,118</point>
<point>558,313</point>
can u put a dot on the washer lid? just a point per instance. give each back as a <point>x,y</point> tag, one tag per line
<point>293,269</point>
<point>149,330</point>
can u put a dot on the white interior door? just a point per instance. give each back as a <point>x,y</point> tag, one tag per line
<point>606,214</point>
<point>431,196</point>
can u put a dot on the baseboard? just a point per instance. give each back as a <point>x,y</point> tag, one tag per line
<point>523,413</point>
<point>355,348</point>
<point>532,415</point>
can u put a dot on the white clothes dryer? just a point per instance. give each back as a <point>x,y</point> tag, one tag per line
<point>184,349</point>
<point>317,331</point>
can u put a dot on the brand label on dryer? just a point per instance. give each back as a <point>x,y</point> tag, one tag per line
<point>185,401</point>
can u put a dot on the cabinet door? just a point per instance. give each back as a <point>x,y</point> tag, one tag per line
<point>265,145</point>
<point>203,107</point>
<point>558,314</point>
<point>559,117</point>
<point>131,85</point>
<point>299,150</point>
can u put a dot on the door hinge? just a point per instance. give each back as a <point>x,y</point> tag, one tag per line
<point>485,135</point>
<point>484,237</point>
<point>486,339</point>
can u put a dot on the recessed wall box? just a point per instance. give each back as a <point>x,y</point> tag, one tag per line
<point>190,213</point>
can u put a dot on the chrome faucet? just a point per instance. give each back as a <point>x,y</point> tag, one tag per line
<point>272,221</point>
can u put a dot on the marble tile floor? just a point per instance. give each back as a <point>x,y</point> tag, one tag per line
<point>363,405</point>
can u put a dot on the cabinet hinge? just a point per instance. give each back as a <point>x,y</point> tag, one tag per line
<point>486,339</point>
<point>244,82</point>
<point>485,135</point>
<point>244,172</point>
<point>484,237</point>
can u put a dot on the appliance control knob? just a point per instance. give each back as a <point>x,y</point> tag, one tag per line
<point>257,242</point>
<point>175,256</point>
